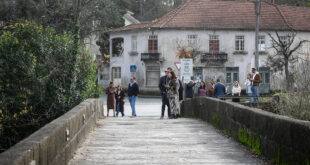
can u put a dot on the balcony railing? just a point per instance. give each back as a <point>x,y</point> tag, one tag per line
<point>214,57</point>
<point>150,56</point>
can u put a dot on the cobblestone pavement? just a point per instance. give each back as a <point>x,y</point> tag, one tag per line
<point>148,140</point>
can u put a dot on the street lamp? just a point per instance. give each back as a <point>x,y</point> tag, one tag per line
<point>257,13</point>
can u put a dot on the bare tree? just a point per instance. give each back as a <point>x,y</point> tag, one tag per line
<point>285,54</point>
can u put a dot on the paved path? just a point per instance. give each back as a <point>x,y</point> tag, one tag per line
<point>149,140</point>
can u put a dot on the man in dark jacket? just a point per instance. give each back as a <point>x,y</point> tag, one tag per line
<point>189,92</point>
<point>219,89</point>
<point>163,82</point>
<point>133,91</point>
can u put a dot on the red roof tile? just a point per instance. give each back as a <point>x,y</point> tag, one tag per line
<point>239,15</point>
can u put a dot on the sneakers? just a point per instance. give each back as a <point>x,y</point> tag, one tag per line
<point>162,117</point>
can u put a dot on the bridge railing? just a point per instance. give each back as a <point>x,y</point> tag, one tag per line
<point>56,142</point>
<point>282,139</point>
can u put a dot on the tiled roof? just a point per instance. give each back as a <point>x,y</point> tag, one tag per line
<point>238,15</point>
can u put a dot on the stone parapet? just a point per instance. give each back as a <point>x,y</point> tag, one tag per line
<point>281,139</point>
<point>56,142</point>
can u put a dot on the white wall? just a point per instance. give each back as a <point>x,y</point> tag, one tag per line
<point>167,46</point>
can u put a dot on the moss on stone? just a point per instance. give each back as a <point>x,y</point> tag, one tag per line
<point>215,120</point>
<point>249,139</point>
<point>227,132</point>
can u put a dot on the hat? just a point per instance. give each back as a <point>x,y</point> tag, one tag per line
<point>253,68</point>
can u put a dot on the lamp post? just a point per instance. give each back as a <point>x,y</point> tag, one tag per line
<point>257,13</point>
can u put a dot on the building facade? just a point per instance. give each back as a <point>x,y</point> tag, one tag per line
<point>222,44</point>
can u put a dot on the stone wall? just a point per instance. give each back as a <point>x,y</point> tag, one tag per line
<point>281,139</point>
<point>56,142</point>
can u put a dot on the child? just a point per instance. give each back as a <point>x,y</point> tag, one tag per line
<point>119,97</point>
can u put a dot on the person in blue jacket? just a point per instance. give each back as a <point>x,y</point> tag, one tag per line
<point>219,89</point>
<point>189,93</point>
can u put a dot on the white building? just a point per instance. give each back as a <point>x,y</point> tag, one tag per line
<point>221,33</point>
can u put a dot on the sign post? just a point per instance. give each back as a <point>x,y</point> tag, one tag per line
<point>133,68</point>
<point>186,69</point>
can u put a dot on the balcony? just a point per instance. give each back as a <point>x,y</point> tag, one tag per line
<point>214,57</point>
<point>150,56</point>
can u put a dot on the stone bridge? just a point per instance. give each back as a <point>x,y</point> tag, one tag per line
<point>211,132</point>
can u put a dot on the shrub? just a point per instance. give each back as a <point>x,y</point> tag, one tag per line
<point>41,77</point>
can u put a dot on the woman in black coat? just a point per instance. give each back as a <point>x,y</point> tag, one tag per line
<point>180,90</point>
<point>119,97</point>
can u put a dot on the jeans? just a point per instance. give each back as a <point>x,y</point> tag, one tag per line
<point>132,101</point>
<point>165,101</point>
<point>250,99</point>
<point>255,92</point>
<point>118,108</point>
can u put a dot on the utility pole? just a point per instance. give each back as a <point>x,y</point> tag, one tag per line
<point>257,12</point>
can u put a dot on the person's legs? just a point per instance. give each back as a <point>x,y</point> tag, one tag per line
<point>130,102</point>
<point>163,105</point>
<point>169,108</point>
<point>114,107</point>
<point>250,99</point>
<point>255,93</point>
<point>134,105</point>
<point>117,108</point>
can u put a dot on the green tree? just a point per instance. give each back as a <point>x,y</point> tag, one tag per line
<point>42,76</point>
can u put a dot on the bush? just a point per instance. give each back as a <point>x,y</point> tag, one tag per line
<point>295,104</point>
<point>41,78</point>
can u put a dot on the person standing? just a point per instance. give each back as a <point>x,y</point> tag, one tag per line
<point>163,83</point>
<point>133,91</point>
<point>110,91</point>
<point>180,90</point>
<point>219,89</point>
<point>211,88</point>
<point>236,90</point>
<point>173,95</point>
<point>256,79</point>
<point>119,97</point>
<point>202,92</point>
<point>248,86</point>
<point>189,93</point>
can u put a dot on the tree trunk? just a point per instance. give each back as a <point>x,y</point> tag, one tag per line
<point>287,75</point>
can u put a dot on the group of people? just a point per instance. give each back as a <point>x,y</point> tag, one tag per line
<point>115,98</point>
<point>217,89</point>
<point>171,89</point>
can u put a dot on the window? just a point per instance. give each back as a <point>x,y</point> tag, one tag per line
<point>117,47</point>
<point>153,44</point>
<point>284,39</point>
<point>198,76</point>
<point>214,44</point>
<point>261,43</point>
<point>267,78</point>
<point>232,74</point>
<point>239,43</point>
<point>192,40</point>
<point>134,43</point>
<point>116,73</point>
<point>152,75</point>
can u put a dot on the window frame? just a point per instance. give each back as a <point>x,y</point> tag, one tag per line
<point>262,41</point>
<point>192,40</point>
<point>239,43</point>
<point>153,44</point>
<point>151,68</point>
<point>116,72</point>
<point>116,52</point>
<point>214,44</point>
<point>232,71</point>
<point>134,43</point>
